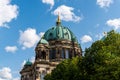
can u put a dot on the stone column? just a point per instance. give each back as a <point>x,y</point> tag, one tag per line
<point>37,76</point>
<point>47,55</point>
<point>70,53</point>
<point>56,54</point>
<point>65,53</point>
<point>39,54</point>
<point>60,52</point>
<point>50,52</point>
<point>73,53</point>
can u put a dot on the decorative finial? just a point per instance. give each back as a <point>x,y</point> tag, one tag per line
<point>58,22</point>
<point>58,17</point>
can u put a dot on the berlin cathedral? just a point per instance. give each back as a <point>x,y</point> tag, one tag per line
<point>57,44</point>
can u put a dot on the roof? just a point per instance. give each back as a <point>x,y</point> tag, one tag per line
<point>28,63</point>
<point>43,41</point>
<point>58,32</point>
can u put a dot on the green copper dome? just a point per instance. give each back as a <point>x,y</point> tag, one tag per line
<point>28,63</point>
<point>59,32</point>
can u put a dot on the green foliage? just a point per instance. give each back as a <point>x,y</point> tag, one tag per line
<point>101,62</point>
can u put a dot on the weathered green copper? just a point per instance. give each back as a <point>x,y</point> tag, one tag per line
<point>28,63</point>
<point>58,32</point>
<point>43,41</point>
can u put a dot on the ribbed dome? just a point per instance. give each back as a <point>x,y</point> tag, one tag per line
<point>59,32</point>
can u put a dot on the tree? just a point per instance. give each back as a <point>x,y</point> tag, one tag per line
<point>105,56</point>
<point>101,62</point>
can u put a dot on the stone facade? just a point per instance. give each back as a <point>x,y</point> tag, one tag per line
<point>49,53</point>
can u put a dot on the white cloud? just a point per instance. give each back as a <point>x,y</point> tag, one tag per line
<point>16,78</point>
<point>100,35</point>
<point>32,59</point>
<point>8,12</point>
<point>5,73</point>
<point>86,38</point>
<point>97,25</point>
<point>11,49</point>
<point>115,23</point>
<point>41,34</point>
<point>28,38</point>
<point>104,3</point>
<point>66,13</point>
<point>23,63</point>
<point>50,2</point>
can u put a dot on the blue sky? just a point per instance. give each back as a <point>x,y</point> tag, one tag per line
<point>23,22</point>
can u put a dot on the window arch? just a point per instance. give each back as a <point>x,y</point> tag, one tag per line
<point>52,53</point>
<point>66,53</point>
<point>63,54</point>
<point>43,55</point>
<point>42,75</point>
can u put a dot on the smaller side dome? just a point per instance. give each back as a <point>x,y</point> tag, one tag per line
<point>28,63</point>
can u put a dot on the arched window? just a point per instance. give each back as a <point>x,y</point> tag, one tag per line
<point>62,54</point>
<point>66,53</point>
<point>38,55</point>
<point>52,53</point>
<point>43,55</point>
<point>42,75</point>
